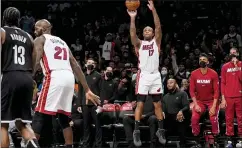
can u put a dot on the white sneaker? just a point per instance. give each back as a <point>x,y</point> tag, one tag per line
<point>239,144</point>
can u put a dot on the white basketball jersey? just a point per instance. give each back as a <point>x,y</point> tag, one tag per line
<point>148,56</point>
<point>56,55</point>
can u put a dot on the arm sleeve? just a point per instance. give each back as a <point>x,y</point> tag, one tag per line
<point>216,86</point>
<point>192,86</point>
<point>185,102</point>
<point>223,80</point>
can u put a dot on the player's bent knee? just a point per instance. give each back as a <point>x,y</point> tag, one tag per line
<point>64,121</point>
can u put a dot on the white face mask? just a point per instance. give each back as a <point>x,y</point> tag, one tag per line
<point>163,72</point>
<point>134,77</point>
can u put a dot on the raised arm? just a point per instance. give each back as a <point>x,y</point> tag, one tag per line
<point>134,39</point>
<point>38,52</point>
<point>158,32</point>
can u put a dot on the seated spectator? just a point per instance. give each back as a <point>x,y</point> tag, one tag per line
<point>185,87</point>
<point>148,118</point>
<point>108,87</point>
<point>76,119</point>
<point>175,104</point>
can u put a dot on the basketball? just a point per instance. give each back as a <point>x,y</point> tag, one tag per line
<point>132,5</point>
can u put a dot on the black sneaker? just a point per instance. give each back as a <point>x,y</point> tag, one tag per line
<point>197,146</point>
<point>136,138</point>
<point>161,135</point>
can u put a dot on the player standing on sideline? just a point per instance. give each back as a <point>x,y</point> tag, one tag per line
<point>231,89</point>
<point>57,63</point>
<point>17,82</point>
<point>204,91</point>
<point>148,76</point>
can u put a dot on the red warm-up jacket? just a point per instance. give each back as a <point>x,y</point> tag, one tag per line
<point>231,80</point>
<point>204,87</point>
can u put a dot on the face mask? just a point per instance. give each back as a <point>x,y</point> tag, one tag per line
<point>90,67</point>
<point>163,72</point>
<point>109,74</point>
<point>232,56</point>
<point>203,64</point>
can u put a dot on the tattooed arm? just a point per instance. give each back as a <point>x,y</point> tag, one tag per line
<point>134,39</point>
<point>158,32</point>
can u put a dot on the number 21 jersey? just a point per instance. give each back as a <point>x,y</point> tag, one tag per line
<point>148,57</point>
<point>56,54</point>
<point>16,52</point>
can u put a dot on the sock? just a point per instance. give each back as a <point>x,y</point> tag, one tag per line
<point>136,126</point>
<point>215,138</point>
<point>33,143</point>
<point>68,146</point>
<point>160,124</point>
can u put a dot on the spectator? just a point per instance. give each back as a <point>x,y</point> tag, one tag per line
<point>232,39</point>
<point>77,48</point>
<point>175,105</point>
<point>108,87</point>
<point>148,118</point>
<point>27,22</point>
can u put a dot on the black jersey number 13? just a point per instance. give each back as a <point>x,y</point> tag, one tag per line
<point>19,55</point>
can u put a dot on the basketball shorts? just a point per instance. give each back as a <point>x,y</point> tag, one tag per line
<point>148,83</point>
<point>57,93</point>
<point>16,96</point>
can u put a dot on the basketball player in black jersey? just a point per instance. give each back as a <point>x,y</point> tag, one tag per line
<point>17,82</point>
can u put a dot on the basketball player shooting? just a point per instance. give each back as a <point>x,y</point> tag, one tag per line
<point>58,64</point>
<point>148,76</point>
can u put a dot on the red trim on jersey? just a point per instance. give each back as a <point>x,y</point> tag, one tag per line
<point>44,91</point>
<point>137,82</point>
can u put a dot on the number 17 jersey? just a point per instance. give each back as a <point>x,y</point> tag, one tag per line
<point>16,52</point>
<point>148,55</point>
<point>56,54</point>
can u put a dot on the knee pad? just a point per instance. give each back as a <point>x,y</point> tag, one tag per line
<point>63,120</point>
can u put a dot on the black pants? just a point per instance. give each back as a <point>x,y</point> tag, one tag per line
<point>77,130</point>
<point>129,125</point>
<point>174,127</point>
<point>90,117</point>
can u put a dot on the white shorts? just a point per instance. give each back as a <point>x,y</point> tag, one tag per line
<point>57,93</point>
<point>148,83</point>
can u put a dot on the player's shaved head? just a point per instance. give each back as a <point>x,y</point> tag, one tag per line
<point>43,23</point>
<point>42,27</point>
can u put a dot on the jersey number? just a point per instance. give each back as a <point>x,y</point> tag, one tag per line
<point>151,52</point>
<point>19,53</point>
<point>60,53</point>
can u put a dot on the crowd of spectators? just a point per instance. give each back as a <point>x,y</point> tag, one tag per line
<point>100,31</point>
